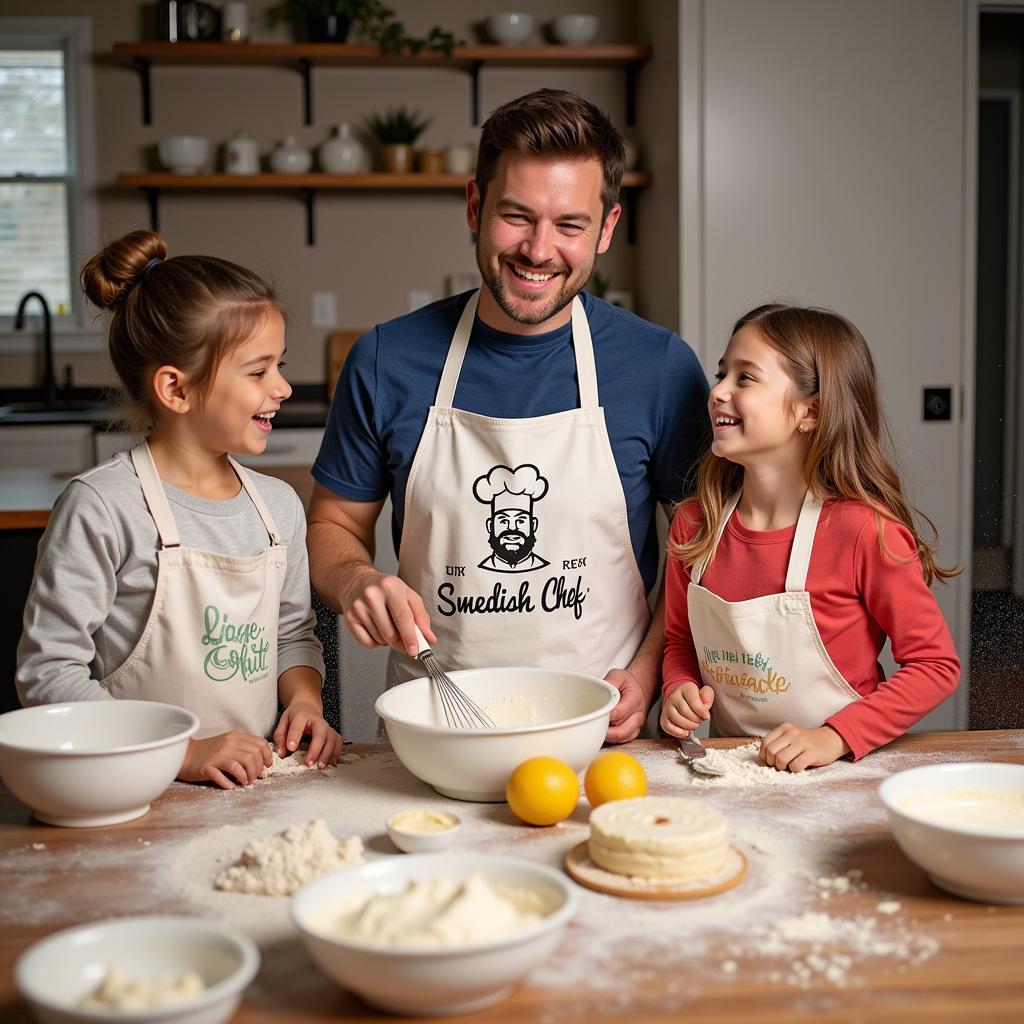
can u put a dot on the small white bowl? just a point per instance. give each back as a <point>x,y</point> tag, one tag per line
<point>510,28</point>
<point>184,154</point>
<point>55,973</point>
<point>977,863</point>
<point>572,711</point>
<point>423,842</point>
<point>575,29</point>
<point>96,762</point>
<point>432,982</point>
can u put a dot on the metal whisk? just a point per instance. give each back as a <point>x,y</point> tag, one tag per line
<point>460,712</point>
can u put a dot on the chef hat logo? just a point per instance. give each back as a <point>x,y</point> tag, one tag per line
<point>505,488</point>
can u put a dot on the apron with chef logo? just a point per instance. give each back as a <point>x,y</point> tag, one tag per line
<point>210,642</point>
<point>516,533</point>
<point>764,657</point>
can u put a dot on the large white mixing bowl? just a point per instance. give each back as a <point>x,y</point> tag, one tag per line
<point>432,982</point>
<point>571,712</point>
<point>96,762</point>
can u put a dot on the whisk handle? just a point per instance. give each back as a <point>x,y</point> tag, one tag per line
<point>422,647</point>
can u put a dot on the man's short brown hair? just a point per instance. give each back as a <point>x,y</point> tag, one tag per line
<point>553,123</point>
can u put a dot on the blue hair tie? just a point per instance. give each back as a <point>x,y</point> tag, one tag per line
<point>152,262</point>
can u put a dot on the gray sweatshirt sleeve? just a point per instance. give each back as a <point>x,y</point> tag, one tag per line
<point>296,642</point>
<point>71,595</point>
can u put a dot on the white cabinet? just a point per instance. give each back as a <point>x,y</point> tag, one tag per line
<point>61,448</point>
<point>287,446</point>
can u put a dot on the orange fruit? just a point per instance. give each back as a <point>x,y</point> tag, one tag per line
<point>542,791</point>
<point>615,775</point>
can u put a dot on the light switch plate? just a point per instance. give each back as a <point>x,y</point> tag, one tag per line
<point>325,309</point>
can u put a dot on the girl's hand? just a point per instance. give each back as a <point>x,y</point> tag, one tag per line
<point>790,748</point>
<point>238,755</point>
<point>685,708</point>
<point>299,719</point>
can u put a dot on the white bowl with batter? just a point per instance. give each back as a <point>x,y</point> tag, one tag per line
<point>431,980</point>
<point>56,973</point>
<point>964,825</point>
<point>539,712</point>
<point>95,762</point>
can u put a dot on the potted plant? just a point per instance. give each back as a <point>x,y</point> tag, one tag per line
<point>397,131</point>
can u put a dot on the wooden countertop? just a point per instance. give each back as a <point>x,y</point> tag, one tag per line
<point>27,495</point>
<point>974,974</point>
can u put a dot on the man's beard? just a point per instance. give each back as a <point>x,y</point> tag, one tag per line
<point>535,312</point>
<point>513,555</point>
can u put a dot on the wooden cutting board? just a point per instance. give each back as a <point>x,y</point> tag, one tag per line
<point>339,344</point>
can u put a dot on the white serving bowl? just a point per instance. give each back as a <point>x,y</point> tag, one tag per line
<point>95,762</point>
<point>423,842</point>
<point>184,154</point>
<point>431,982</point>
<point>572,712</point>
<point>575,29</point>
<point>55,973</point>
<point>980,864</point>
<point>510,28</point>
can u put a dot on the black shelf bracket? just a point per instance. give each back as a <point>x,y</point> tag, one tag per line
<point>305,68</point>
<point>309,199</point>
<point>153,200</point>
<point>632,74</point>
<point>142,66</point>
<point>474,92</point>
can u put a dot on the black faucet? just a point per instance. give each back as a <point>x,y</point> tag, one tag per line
<point>49,377</point>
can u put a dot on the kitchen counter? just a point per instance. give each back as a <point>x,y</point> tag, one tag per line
<point>708,960</point>
<point>26,497</point>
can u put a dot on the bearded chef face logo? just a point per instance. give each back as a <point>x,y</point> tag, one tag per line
<point>511,526</point>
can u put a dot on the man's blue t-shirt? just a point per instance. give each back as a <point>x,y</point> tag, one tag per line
<point>650,384</point>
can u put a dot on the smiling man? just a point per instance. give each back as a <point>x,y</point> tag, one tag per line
<point>571,419</point>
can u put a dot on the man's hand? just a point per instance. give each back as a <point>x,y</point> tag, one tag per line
<point>300,719</point>
<point>685,708</point>
<point>790,748</point>
<point>231,755</point>
<point>629,715</point>
<point>381,611</point>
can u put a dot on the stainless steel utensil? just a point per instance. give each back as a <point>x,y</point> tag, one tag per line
<point>460,712</point>
<point>692,753</point>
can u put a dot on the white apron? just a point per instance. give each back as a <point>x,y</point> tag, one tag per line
<point>764,657</point>
<point>516,533</point>
<point>210,642</point>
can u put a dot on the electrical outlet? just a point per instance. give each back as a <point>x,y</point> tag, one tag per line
<point>325,309</point>
<point>420,297</point>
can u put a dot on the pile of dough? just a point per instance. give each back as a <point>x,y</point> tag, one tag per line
<point>659,837</point>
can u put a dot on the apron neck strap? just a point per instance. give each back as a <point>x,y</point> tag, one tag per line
<point>160,509</point>
<point>583,346</point>
<point>701,567</point>
<point>803,541</point>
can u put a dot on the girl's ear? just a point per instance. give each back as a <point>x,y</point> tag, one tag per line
<point>169,386</point>
<point>807,415</point>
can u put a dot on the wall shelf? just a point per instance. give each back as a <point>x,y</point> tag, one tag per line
<point>303,57</point>
<point>308,185</point>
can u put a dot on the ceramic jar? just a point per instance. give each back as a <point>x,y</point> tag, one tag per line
<point>460,158</point>
<point>432,161</point>
<point>241,155</point>
<point>396,157</point>
<point>290,158</point>
<point>342,152</point>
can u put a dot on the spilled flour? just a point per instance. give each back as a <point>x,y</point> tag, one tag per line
<point>742,768</point>
<point>295,764</point>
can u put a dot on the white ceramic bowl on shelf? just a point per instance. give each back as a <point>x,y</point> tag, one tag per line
<point>510,28</point>
<point>96,762</point>
<point>575,29</point>
<point>57,972</point>
<point>184,154</point>
<point>571,712</point>
<point>979,863</point>
<point>432,982</point>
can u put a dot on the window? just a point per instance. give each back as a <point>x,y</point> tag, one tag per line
<point>47,206</point>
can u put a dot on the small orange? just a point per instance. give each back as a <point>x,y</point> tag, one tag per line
<point>542,791</point>
<point>614,775</point>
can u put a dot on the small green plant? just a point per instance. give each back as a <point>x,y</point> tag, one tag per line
<point>398,126</point>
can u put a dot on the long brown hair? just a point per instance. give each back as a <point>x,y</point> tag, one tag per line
<point>825,356</point>
<point>187,311</point>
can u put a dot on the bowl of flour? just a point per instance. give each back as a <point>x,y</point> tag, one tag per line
<point>434,933</point>
<point>964,825</point>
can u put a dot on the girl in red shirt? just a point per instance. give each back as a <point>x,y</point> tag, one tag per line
<point>799,556</point>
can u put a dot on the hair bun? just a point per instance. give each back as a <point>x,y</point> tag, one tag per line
<point>112,272</point>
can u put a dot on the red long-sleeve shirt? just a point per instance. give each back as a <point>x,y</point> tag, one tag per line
<point>859,596</point>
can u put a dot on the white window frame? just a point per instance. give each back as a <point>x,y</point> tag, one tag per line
<point>77,331</point>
